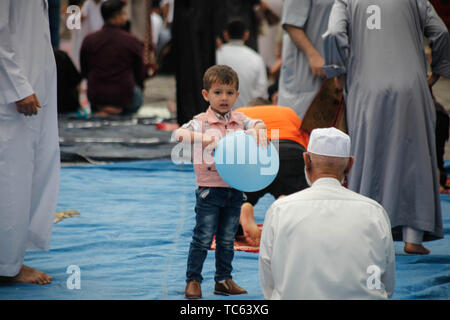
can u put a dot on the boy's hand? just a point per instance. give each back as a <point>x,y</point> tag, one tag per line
<point>260,135</point>
<point>209,142</point>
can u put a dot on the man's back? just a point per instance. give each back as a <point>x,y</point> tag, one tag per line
<point>250,68</point>
<point>280,118</point>
<point>327,242</point>
<point>111,60</point>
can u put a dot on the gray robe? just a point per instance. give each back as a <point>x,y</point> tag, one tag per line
<point>298,86</point>
<point>29,146</point>
<point>390,112</point>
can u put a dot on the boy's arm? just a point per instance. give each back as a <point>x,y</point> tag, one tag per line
<point>191,132</point>
<point>189,136</point>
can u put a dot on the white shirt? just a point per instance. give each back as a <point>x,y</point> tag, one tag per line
<point>250,68</point>
<point>171,9</point>
<point>326,242</point>
<point>157,25</point>
<point>94,19</point>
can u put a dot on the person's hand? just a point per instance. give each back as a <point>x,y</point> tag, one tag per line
<point>28,106</point>
<point>432,79</point>
<point>316,63</point>
<point>151,69</point>
<point>218,43</point>
<point>260,135</point>
<point>339,82</point>
<point>209,142</point>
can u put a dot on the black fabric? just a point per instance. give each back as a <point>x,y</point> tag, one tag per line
<point>195,27</point>
<point>442,135</point>
<point>68,80</point>
<point>291,175</point>
<point>243,10</point>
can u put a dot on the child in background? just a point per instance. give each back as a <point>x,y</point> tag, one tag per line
<point>217,204</point>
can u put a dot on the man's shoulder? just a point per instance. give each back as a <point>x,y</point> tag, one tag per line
<point>232,49</point>
<point>93,36</point>
<point>127,36</point>
<point>238,115</point>
<point>325,194</point>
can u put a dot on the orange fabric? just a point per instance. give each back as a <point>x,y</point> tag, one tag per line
<point>282,118</point>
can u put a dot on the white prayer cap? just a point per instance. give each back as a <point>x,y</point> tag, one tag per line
<point>329,142</point>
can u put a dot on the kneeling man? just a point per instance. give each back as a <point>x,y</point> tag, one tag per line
<point>327,242</point>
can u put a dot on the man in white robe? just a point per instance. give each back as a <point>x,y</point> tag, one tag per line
<point>327,242</point>
<point>29,146</point>
<point>301,73</point>
<point>376,48</point>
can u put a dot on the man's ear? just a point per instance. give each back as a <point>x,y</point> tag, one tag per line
<point>246,35</point>
<point>226,36</point>
<point>350,163</point>
<point>205,95</point>
<point>307,161</point>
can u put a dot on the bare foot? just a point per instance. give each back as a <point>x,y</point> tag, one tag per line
<point>106,111</point>
<point>29,275</point>
<point>412,248</point>
<point>251,230</point>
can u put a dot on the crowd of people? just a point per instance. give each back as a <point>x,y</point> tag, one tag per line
<point>252,65</point>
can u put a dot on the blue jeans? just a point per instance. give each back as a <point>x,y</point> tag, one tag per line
<point>217,212</point>
<point>135,103</point>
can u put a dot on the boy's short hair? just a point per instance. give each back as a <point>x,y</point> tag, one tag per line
<point>220,74</point>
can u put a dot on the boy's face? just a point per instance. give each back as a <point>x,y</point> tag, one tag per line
<point>221,97</point>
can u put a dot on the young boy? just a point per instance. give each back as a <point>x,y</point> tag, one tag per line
<point>218,205</point>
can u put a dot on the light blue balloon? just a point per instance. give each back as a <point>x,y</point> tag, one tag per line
<point>244,165</point>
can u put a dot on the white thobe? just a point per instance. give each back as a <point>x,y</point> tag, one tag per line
<point>29,146</point>
<point>326,242</point>
<point>298,86</point>
<point>93,22</point>
<point>250,68</point>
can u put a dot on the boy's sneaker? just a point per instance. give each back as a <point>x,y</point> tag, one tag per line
<point>193,290</point>
<point>227,288</point>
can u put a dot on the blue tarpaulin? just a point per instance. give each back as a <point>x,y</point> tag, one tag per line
<point>132,238</point>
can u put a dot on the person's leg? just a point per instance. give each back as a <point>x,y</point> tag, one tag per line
<point>413,241</point>
<point>252,233</point>
<point>206,222</point>
<point>226,230</point>
<point>17,163</point>
<point>136,102</point>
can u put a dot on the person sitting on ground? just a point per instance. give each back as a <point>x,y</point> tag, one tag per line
<point>218,205</point>
<point>248,64</point>
<point>112,61</point>
<point>327,242</point>
<point>283,129</point>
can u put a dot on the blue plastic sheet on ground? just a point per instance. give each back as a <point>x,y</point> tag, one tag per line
<point>132,238</point>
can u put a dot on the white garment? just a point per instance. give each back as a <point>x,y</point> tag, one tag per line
<point>298,86</point>
<point>94,19</point>
<point>267,39</point>
<point>157,26</point>
<point>250,68</point>
<point>29,146</point>
<point>321,242</point>
<point>137,15</point>
<point>171,9</point>
<point>92,23</point>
